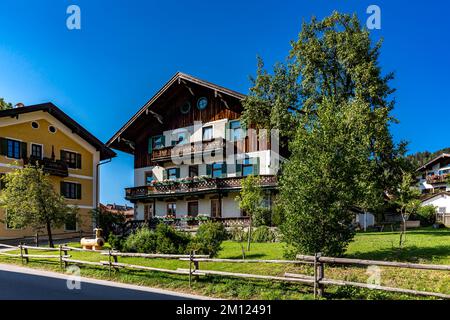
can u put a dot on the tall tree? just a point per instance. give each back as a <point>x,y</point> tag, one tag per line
<point>332,103</point>
<point>31,201</point>
<point>5,105</point>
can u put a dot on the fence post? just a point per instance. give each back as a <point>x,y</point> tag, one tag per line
<point>37,239</point>
<point>21,252</point>
<point>315,275</point>
<point>65,254</point>
<point>109,259</point>
<point>196,266</point>
<point>190,268</point>
<point>26,253</point>
<point>60,257</point>
<point>320,275</point>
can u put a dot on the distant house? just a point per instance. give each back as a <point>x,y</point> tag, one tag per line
<point>432,179</point>
<point>125,210</point>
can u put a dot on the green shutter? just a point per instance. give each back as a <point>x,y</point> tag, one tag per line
<point>150,145</point>
<point>224,170</point>
<point>256,167</point>
<point>3,146</point>
<point>209,169</point>
<point>238,169</point>
<point>78,161</point>
<point>163,140</point>
<point>164,174</point>
<point>178,172</point>
<point>78,190</point>
<point>61,188</point>
<point>23,150</point>
<point>63,155</point>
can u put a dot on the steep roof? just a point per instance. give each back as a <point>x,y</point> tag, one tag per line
<point>434,195</point>
<point>430,163</point>
<point>105,152</point>
<point>178,78</point>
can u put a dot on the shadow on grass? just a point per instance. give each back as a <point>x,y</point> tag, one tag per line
<point>407,254</point>
<point>248,256</point>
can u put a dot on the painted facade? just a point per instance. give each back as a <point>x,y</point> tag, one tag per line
<point>67,151</point>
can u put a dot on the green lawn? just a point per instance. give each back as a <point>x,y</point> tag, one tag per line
<point>423,245</point>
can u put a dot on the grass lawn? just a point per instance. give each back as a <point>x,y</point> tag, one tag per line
<point>422,245</point>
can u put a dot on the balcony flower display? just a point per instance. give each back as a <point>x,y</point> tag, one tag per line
<point>202,217</point>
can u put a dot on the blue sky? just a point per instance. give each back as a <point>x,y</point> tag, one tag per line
<point>126,50</point>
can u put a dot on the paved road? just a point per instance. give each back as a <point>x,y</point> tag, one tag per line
<point>28,284</point>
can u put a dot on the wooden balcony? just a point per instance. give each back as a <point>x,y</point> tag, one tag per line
<point>165,154</point>
<point>50,166</point>
<point>193,186</point>
<point>435,179</point>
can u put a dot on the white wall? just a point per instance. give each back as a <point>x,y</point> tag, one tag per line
<point>440,201</point>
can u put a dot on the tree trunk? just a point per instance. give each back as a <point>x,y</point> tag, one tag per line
<point>403,231</point>
<point>249,234</point>
<point>49,233</point>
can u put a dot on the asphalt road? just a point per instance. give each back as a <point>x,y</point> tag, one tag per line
<point>21,283</point>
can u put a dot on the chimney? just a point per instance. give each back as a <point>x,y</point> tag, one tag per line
<point>19,105</point>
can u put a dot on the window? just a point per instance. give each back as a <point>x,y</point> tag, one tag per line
<point>51,129</point>
<point>207,133</point>
<point>192,209</point>
<point>442,210</point>
<point>179,138</point>
<point>71,223</point>
<point>173,173</point>
<point>70,190</point>
<point>235,130</point>
<point>72,159</point>
<point>158,142</point>
<point>36,151</point>
<point>172,209</point>
<point>193,171</point>
<point>148,211</point>
<point>34,125</point>
<point>149,178</point>
<point>13,150</point>
<point>217,170</point>
<point>215,208</point>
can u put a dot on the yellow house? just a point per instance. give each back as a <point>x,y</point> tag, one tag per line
<point>67,151</point>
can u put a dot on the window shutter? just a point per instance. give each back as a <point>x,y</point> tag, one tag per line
<point>61,186</point>
<point>209,169</point>
<point>224,170</point>
<point>23,150</point>
<point>178,172</point>
<point>150,145</point>
<point>63,155</point>
<point>238,169</point>
<point>78,190</point>
<point>256,167</point>
<point>164,174</point>
<point>78,161</point>
<point>163,140</point>
<point>3,146</point>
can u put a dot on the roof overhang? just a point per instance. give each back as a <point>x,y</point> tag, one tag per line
<point>430,163</point>
<point>105,152</point>
<point>178,78</point>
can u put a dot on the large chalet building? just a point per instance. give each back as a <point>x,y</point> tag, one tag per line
<point>191,152</point>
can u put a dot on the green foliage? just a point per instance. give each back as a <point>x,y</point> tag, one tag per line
<point>420,158</point>
<point>165,239</point>
<point>209,238</point>
<point>426,215</point>
<point>5,105</point>
<point>331,101</point>
<point>251,196</point>
<point>262,217</point>
<point>31,201</point>
<point>117,242</point>
<point>264,234</point>
<point>106,220</point>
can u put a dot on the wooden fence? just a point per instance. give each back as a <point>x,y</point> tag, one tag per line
<point>318,281</point>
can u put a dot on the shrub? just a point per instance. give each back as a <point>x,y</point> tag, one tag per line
<point>164,239</point>
<point>116,242</point>
<point>262,217</point>
<point>263,234</point>
<point>426,215</point>
<point>208,239</point>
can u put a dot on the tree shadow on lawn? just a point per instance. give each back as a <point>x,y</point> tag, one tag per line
<point>440,233</point>
<point>248,256</point>
<point>407,253</point>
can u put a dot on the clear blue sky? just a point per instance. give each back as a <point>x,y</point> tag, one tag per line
<point>126,50</point>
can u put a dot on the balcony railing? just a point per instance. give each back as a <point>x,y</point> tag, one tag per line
<point>200,185</point>
<point>437,178</point>
<point>50,166</point>
<point>165,153</point>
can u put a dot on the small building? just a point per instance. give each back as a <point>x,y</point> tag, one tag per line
<point>433,185</point>
<point>125,210</point>
<point>43,133</point>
